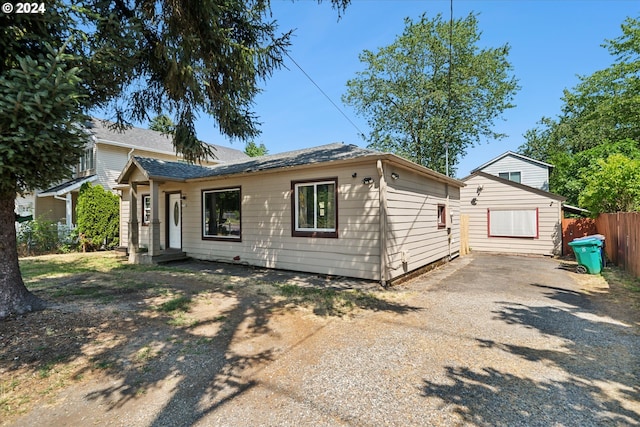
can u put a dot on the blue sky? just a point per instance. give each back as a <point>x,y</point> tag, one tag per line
<point>552,41</point>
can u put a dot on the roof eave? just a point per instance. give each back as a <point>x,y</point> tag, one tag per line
<point>68,189</point>
<point>365,158</point>
<point>505,154</point>
<point>437,176</point>
<point>128,169</point>
<point>516,185</point>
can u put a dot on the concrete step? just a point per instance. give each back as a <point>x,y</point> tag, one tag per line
<point>169,257</point>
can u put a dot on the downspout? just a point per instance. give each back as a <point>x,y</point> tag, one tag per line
<point>382,197</point>
<point>447,219</point>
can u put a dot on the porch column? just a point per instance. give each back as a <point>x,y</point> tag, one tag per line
<point>69,211</point>
<point>134,231</point>
<point>154,220</point>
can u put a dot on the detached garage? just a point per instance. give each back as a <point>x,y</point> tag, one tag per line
<point>509,217</point>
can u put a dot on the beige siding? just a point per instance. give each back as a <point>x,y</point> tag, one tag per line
<point>266,224</point>
<point>412,224</point>
<point>497,195</point>
<point>124,219</point>
<point>531,174</point>
<point>50,209</point>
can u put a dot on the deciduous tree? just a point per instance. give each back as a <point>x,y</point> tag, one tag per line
<point>419,96</point>
<point>603,108</point>
<point>612,185</point>
<point>571,171</point>
<point>254,150</point>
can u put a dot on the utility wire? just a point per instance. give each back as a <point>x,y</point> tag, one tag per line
<point>325,95</point>
<point>447,137</point>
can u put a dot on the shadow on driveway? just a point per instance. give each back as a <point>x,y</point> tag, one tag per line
<point>586,365</point>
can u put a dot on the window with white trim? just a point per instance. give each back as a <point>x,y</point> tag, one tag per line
<point>511,176</point>
<point>513,222</point>
<point>442,216</point>
<point>146,209</point>
<point>86,162</point>
<point>221,218</point>
<point>315,207</point>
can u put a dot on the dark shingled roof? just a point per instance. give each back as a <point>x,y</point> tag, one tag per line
<point>156,168</point>
<point>66,184</point>
<point>147,139</point>
<point>324,153</point>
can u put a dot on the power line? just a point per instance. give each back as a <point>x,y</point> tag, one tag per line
<point>325,95</point>
<point>446,143</point>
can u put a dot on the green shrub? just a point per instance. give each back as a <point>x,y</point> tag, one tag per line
<point>98,216</point>
<point>41,236</point>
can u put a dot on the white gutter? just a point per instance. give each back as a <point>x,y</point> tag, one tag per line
<point>133,147</point>
<point>68,189</point>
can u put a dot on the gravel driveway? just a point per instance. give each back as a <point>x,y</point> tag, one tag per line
<point>486,340</point>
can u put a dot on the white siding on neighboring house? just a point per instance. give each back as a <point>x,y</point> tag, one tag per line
<point>532,174</point>
<point>25,205</point>
<point>111,159</point>
<point>109,163</point>
<point>483,194</point>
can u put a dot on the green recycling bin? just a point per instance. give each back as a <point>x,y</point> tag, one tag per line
<point>588,254</point>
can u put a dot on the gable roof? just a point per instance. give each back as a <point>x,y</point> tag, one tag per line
<point>516,185</point>
<point>180,171</point>
<point>150,140</point>
<point>511,153</point>
<point>67,186</point>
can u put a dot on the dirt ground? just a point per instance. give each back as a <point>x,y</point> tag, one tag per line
<point>210,344</point>
<point>102,326</point>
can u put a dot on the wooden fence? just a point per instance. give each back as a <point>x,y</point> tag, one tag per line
<point>622,239</point>
<point>572,228</point>
<point>464,234</point>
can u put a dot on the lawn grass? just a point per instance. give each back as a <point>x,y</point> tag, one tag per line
<point>106,314</point>
<point>328,301</point>
<point>620,277</point>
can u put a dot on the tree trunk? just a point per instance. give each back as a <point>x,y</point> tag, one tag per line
<point>14,296</point>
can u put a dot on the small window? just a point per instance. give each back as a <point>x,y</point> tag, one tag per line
<point>146,209</point>
<point>511,176</point>
<point>221,214</point>
<point>442,216</point>
<point>315,206</point>
<point>86,162</point>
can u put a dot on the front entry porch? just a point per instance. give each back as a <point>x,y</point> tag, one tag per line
<point>167,255</point>
<point>147,224</point>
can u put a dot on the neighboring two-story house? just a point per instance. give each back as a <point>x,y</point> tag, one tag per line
<point>518,168</point>
<point>510,209</point>
<point>106,153</point>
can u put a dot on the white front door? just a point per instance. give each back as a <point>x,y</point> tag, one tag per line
<point>174,215</point>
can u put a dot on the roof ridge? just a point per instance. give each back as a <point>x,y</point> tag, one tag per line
<point>149,139</point>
